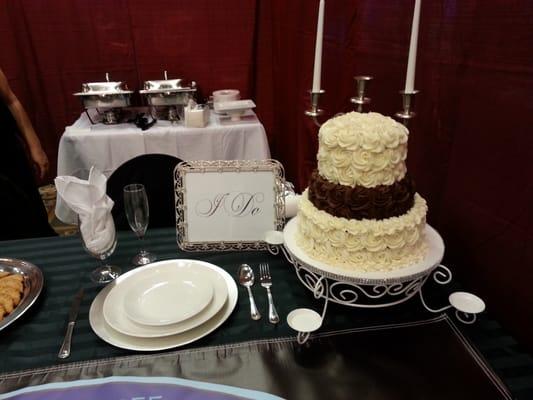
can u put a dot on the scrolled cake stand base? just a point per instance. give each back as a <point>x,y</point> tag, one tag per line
<point>375,289</point>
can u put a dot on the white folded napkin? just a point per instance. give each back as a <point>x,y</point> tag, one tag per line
<point>91,205</point>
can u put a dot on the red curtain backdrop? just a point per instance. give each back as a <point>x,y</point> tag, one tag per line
<point>470,146</point>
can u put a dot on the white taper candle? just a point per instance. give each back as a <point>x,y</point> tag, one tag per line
<point>411,63</point>
<point>318,47</point>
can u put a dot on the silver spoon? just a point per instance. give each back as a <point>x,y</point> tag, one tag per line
<point>246,279</point>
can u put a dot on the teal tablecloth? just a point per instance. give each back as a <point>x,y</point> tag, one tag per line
<point>33,340</point>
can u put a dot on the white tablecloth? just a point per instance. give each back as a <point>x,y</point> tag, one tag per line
<point>108,146</point>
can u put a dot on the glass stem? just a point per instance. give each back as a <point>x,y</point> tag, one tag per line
<point>101,263</point>
<point>141,246</point>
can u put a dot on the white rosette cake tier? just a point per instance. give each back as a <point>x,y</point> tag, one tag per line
<point>366,245</point>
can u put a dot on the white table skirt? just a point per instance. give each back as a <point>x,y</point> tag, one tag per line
<point>108,146</point>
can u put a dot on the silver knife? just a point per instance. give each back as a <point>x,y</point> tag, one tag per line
<point>64,352</point>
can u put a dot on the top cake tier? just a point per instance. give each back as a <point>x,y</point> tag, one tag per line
<point>362,149</point>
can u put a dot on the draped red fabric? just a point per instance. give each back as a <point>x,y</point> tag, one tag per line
<point>470,145</point>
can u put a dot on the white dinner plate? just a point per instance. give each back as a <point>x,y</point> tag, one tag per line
<point>113,305</point>
<point>164,296</point>
<point>115,338</point>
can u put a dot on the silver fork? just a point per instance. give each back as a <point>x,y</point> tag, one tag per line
<point>266,282</point>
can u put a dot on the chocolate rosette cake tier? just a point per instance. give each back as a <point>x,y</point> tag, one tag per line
<point>359,202</point>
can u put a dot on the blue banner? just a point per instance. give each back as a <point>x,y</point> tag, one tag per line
<point>136,388</point>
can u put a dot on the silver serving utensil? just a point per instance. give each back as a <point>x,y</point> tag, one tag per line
<point>246,279</point>
<point>64,352</point>
<point>266,282</point>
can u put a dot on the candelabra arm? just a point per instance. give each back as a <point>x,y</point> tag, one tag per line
<point>315,120</point>
<point>408,100</point>
<point>315,111</point>
<point>361,85</point>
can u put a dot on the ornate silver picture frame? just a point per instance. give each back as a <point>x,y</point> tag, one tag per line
<point>228,205</point>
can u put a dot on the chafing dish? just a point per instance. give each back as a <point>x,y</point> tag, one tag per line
<point>168,97</point>
<point>108,98</point>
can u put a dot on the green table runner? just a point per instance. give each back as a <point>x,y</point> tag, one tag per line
<point>34,340</point>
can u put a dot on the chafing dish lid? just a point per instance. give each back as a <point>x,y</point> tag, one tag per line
<point>103,88</point>
<point>167,86</point>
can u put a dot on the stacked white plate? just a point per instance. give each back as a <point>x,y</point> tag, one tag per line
<point>163,305</point>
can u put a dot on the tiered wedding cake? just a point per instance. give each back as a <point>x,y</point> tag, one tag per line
<point>360,210</point>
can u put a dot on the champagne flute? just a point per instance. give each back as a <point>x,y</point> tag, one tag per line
<point>138,214</point>
<point>103,273</point>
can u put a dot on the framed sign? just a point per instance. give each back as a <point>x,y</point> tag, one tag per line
<point>228,205</point>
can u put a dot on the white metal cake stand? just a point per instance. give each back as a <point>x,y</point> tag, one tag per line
<point>368,289</point>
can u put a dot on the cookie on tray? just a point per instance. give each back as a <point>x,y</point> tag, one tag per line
<point>11,289</point>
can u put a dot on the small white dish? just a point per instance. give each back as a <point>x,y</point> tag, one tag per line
<point>167,296</point>
<point>274,238</point>
<point>116,318</point>
<point>115,338</point>
<point>226,106</point>
<point>304,320</point>
<point>235,109</point>
<point>466,302</point>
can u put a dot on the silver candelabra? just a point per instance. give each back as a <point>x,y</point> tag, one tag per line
<point>360,101</point>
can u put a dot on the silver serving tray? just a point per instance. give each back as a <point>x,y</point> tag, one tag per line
<point>33,285</point>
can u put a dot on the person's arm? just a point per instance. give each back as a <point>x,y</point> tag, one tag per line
<point>37,153</point>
